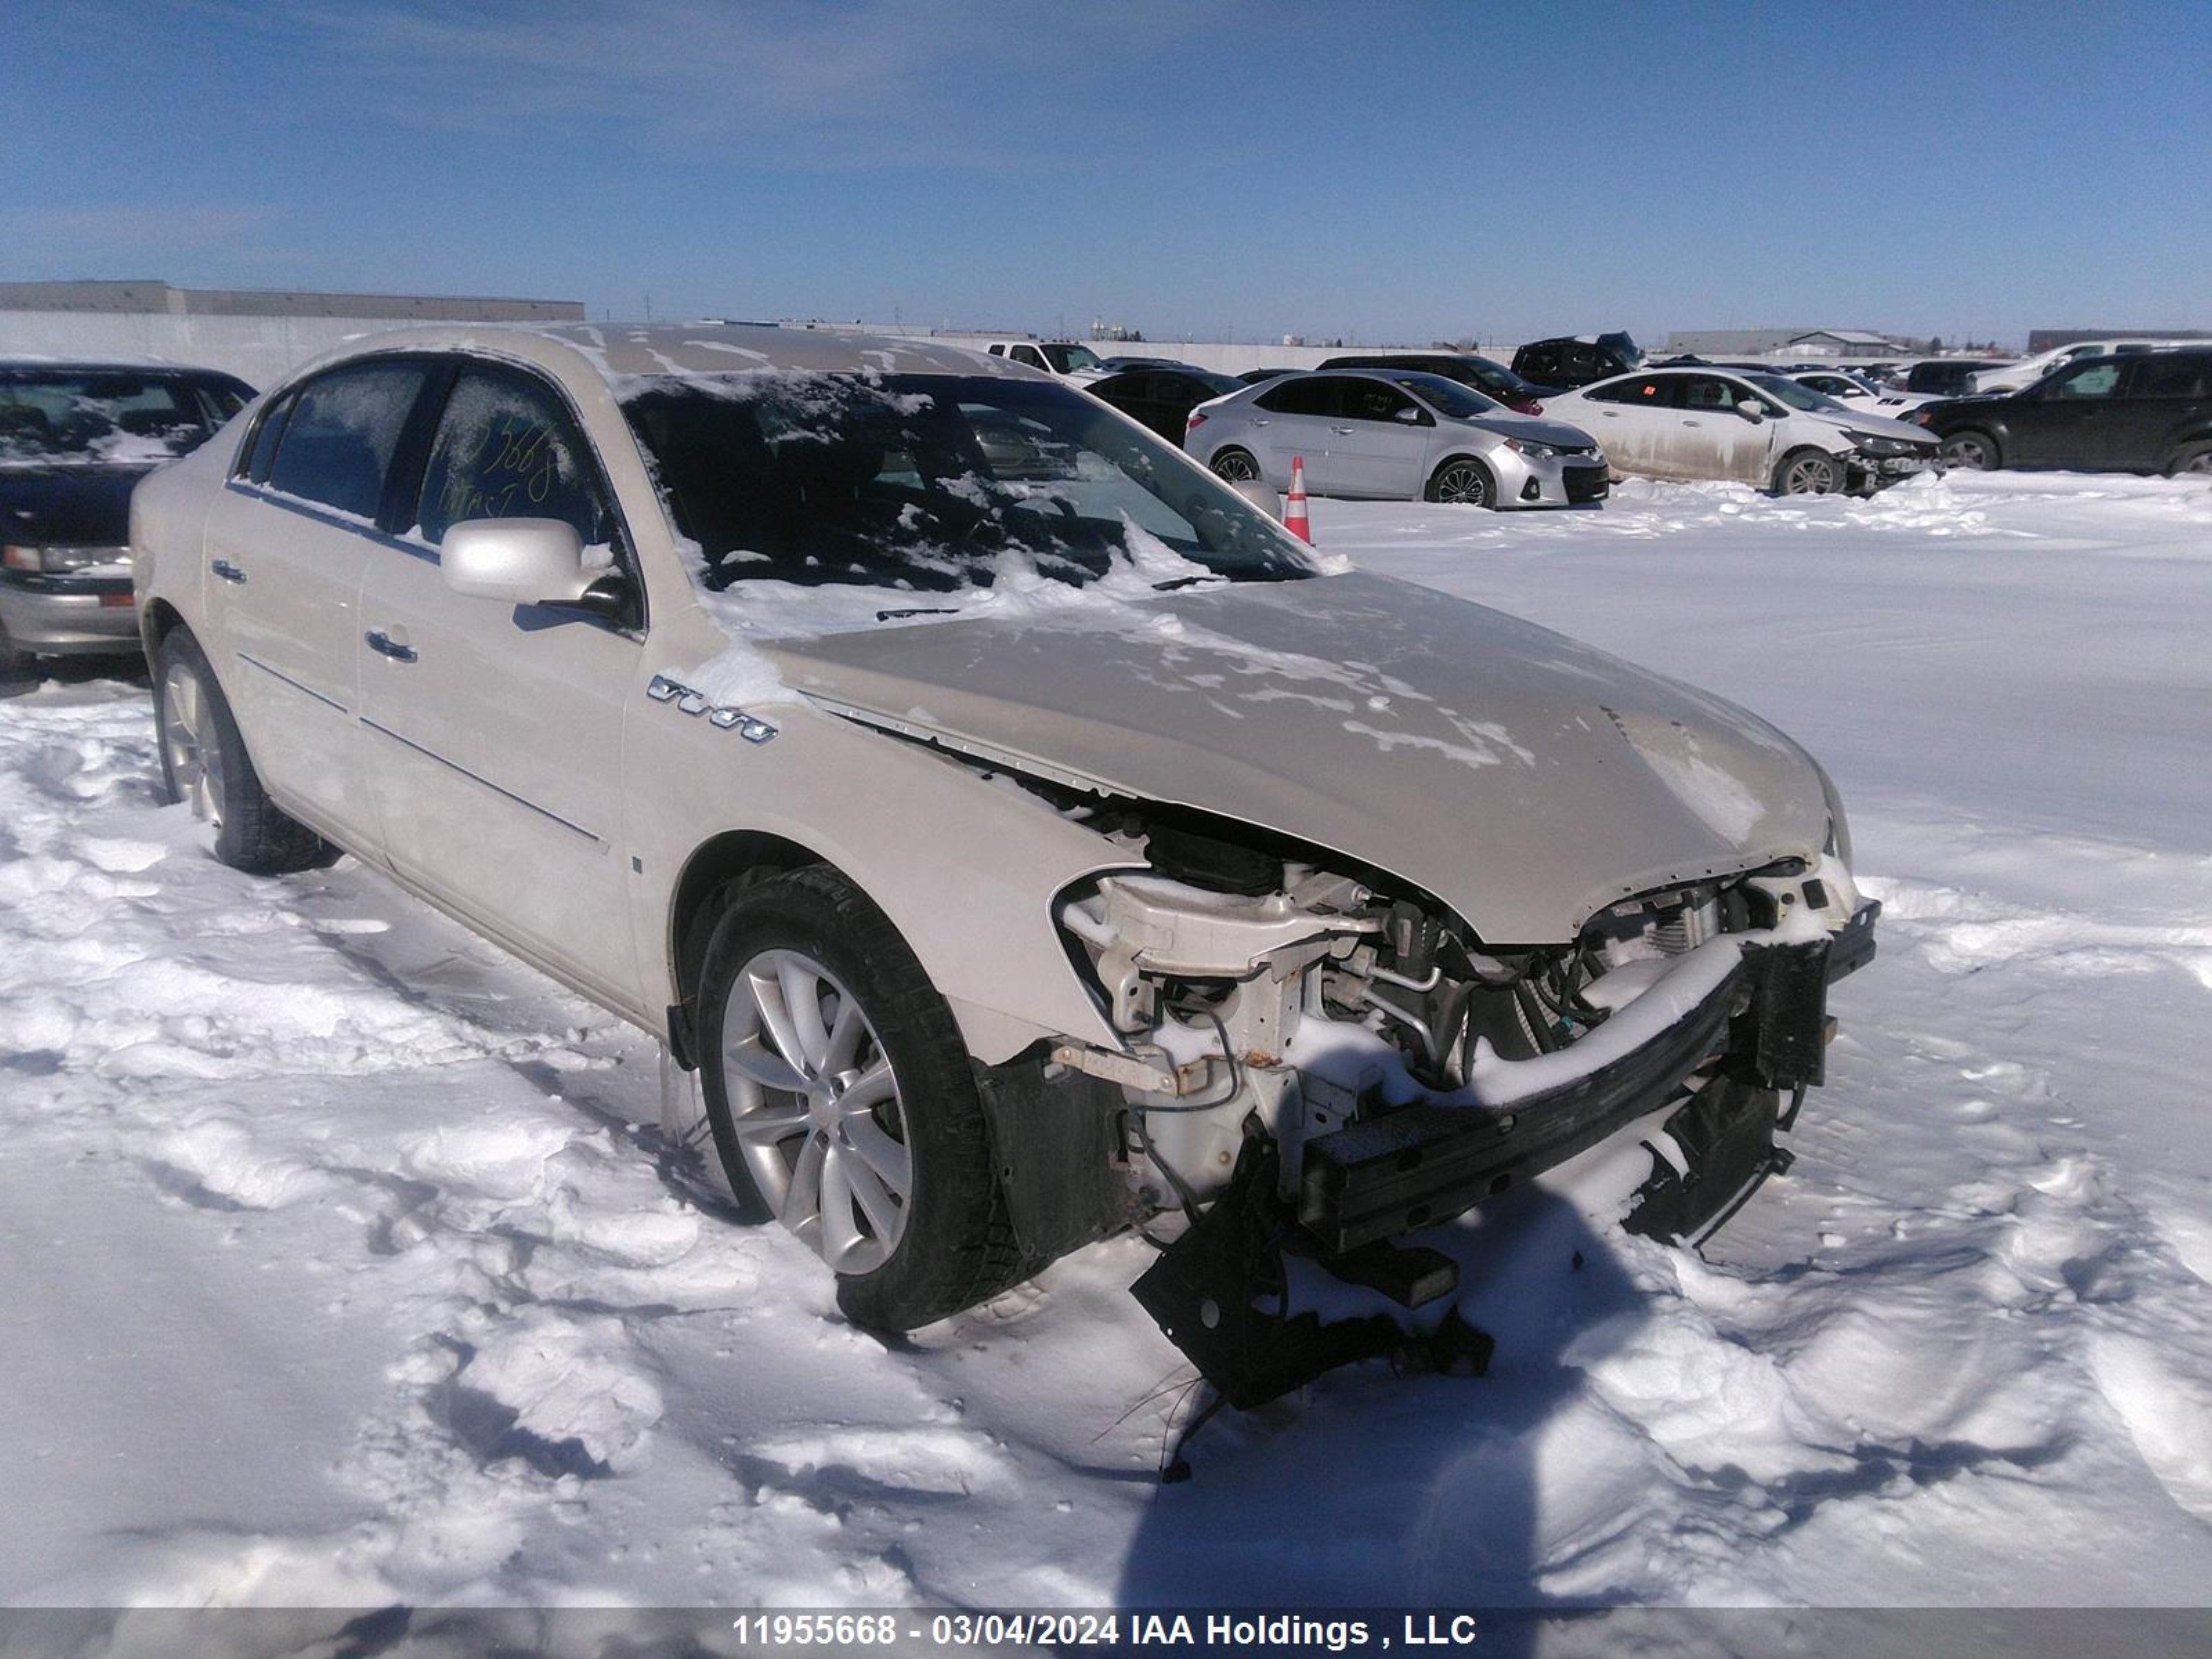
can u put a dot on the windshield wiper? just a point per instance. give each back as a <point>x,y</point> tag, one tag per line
<point>919,610</point>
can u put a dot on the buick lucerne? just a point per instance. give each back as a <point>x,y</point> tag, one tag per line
<point>1019,836</point>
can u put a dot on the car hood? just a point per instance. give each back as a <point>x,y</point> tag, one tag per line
<point>1524,779</point>
<point>1867,421</point>
<point>67,505</point>
<point>1534,429</point>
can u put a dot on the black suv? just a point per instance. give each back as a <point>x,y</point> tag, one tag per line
<point>1576,361</point>
<point>1494,380</point>
<point>1948,377</point>
<point>2146,412</point>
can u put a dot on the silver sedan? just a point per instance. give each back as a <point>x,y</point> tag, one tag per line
<point>1397,437</point>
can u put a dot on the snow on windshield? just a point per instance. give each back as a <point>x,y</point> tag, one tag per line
<point>93,420</point>
<point>817,502</point>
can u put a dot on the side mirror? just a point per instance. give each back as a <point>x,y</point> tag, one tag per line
<point>519,560</point>
<point>1749,409</point>
<point>1261,496</point>
<point>1410,416</point>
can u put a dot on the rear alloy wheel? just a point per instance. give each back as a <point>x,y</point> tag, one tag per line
<point>1976,451</point>
<point>1463,482</point>
<point>843,1104</point>
<point>2190,461</point>
<point>205,766</point>
<point>1809,473</point>
<point>1237,465</point>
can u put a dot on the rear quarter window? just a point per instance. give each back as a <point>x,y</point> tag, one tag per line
<point>344,429</point>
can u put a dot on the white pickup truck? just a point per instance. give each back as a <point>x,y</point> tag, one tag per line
<point>1064,360</point>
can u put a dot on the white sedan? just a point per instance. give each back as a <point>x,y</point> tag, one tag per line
<point>1762,429</point>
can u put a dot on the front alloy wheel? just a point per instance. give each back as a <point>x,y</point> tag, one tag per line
<point>1969,450</point>
<point>815,1108</point>
<point>1464,483</point>
<point>844,1103</point>
<point>1811,475</point>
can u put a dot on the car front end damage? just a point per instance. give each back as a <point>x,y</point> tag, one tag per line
<point>1877,460</point>
<point>1314,1064</point>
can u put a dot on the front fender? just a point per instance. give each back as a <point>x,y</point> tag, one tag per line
<point>966,869</point>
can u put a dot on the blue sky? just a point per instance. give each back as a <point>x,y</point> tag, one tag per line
<point>1378,171</point>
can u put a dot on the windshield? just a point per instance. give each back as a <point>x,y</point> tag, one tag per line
<point>1796,395</point>
<point>1067,359</point>
<point>90,420</point>
<point>1445,397</point>
<point>935,482</point>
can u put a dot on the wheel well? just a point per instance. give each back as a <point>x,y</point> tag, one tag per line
<point>156,623</point>
<point>736,858</point>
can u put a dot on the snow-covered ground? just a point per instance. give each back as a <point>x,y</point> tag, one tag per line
<point>343,1266</point>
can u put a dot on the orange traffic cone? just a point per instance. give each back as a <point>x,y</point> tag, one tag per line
<point>1294,515</point>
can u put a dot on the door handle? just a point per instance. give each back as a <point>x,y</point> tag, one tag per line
<point>379,641</point>
<point>1259,422</point>
<point>1693,423</point>
<point>227,571</point>
<point>1341,431</point>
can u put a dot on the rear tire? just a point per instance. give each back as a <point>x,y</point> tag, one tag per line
<point>1975,451</point>
<point>1809,473</point>
<point>204,764</point>
<point>786,958</point>
<point>15,663</point>
<point>2191,460</point>
<point>1237,466</point>
<point>1463,481</point>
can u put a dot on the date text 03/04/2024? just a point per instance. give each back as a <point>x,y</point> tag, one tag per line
<point>954,1631</point>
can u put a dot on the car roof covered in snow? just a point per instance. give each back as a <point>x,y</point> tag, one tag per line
<point>627,350</point>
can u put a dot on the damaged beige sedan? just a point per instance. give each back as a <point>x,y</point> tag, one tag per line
<point>1016,835</point>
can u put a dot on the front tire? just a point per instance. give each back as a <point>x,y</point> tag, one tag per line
<point>842,1104</point>
<point>1976,452</point>
<point>1808,472</point>
<point>204,765</point>
<point>1463,481</point>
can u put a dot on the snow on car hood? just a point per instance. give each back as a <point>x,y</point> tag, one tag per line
<point>1522,778</point>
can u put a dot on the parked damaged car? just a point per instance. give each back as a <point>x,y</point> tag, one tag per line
<point>1761,429</point>
<point>1018,834</point>
<point>75,439</point>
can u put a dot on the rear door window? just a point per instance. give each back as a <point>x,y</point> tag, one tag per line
<point>344,430</point>
<point>2156,376</point>
<point>1300,396</point>
<point>1651,391</point>
<point>507,447</point>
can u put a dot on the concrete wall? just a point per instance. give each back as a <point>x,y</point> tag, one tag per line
<point>258,349</point>
<point>261,349</point>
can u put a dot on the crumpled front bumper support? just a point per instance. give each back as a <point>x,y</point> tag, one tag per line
<point>1407,1170</point>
